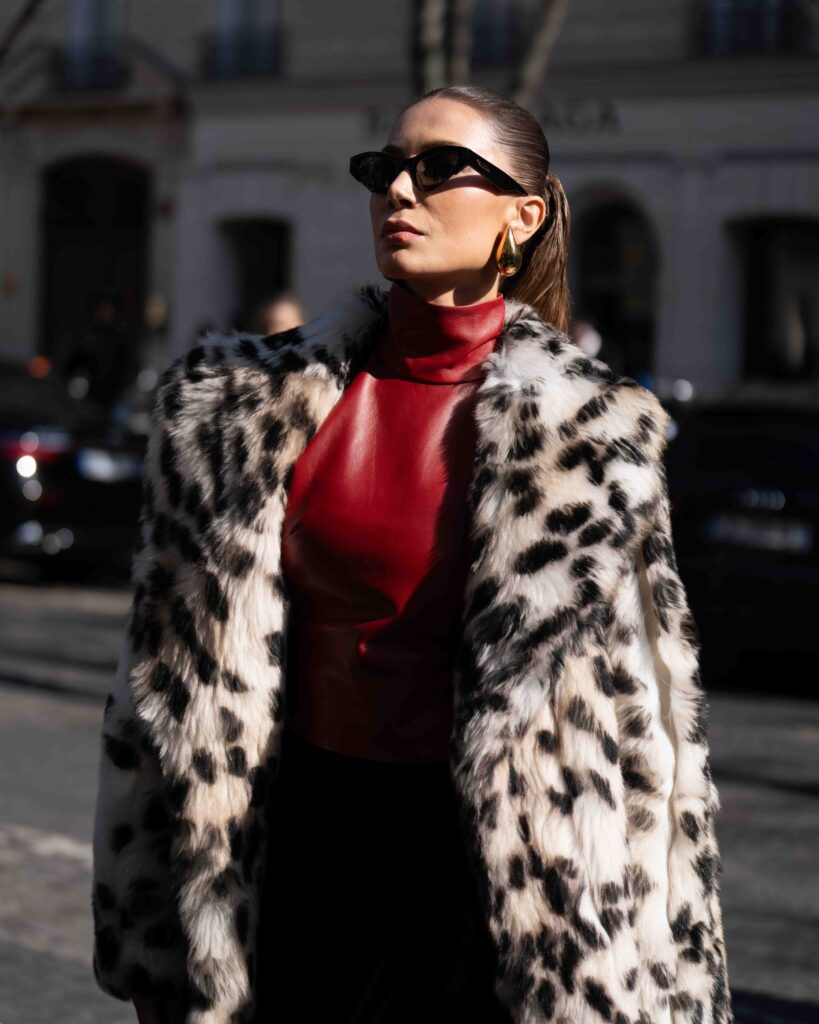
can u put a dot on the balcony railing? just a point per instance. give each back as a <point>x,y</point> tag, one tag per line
<point>243,54</point>
<point>100,65</point>
<point>737,27</point>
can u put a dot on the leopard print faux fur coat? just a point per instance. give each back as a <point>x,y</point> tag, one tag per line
<point>579,751</point>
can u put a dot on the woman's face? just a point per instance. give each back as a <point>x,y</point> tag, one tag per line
<point>452,259</point>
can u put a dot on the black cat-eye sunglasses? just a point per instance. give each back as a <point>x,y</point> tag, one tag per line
<point>377,170</point>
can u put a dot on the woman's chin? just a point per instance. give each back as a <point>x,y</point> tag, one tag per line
<point>395,266</point>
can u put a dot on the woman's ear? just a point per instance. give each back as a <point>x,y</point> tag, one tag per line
<point>531,214</point>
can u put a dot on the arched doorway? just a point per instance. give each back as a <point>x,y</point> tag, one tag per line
<point>615,270</point>
<point>94,237</point>
<point>260,256</point>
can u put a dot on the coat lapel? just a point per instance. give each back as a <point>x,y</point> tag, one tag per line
<point>572,601</point>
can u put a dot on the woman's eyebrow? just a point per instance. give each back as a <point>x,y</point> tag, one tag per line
<point>390,148</point>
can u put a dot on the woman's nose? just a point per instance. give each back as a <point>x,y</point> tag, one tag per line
<point>402,186</point>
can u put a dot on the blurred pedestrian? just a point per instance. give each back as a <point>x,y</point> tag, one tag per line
<point>279,312</point>
<point>100,361</point>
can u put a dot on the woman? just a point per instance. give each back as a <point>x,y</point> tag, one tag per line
<point>409,723</point>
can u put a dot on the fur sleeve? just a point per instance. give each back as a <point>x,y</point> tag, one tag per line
<point>189,737</point>
<point>138,942</point>
<point>687,884</point>
<point>579,750</point>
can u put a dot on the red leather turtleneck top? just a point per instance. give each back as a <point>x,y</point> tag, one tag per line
<point>374,538</point>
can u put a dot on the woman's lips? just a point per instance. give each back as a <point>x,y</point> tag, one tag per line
<point>401,236</point>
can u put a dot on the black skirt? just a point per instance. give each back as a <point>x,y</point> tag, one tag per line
<point>369,914</point>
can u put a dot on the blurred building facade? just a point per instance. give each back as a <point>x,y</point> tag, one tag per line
<point>191,155</point>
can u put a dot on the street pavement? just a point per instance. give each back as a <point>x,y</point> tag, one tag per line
<point>58,650</point>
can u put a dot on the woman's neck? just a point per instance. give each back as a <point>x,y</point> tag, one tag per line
<point>457,295</point>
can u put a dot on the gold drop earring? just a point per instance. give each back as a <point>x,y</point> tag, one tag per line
<point>508,255</point>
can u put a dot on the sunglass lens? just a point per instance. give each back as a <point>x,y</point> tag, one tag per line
<point>375,171</point>
<point>437,166</point>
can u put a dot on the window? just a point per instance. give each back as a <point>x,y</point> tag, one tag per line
<point>93,56</point>
<point>501,29</point>
<point>247,41</point>
<point>734,27</point>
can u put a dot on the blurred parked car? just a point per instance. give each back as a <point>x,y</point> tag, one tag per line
<point>70,477</point>
<point>744,486</point>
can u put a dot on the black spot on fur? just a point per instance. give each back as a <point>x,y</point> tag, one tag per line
<point>610,748</point>
<point>178,697</point>
<point>231,725</point>
<point>681,923</point>
<point>603,788</point>
<point>483,596</point>
<point>528,442</point>
<point>582,566</point>
<point>176,793</point>
<point>563,801</point>
<point>633,767</point>
<point>236,560</point>
<point>706,866</point>
<point>236,837</point>
<point>690,826</point>
<point>552,626</point>
<point>237,761</point>
<point>167,464</point>
<point>123,755</point>
<point>659,972</point>
<point>603,676</point>
<point>546,740</point>
<point>623,682</point>
<point>537,555</point>
<point>570,958</point>
<point>581,715</point>
<point>547,997</point>
<point>592,409</point>
<point>488,812</point>
<point>205,665</point>
<point>231,681</point>
<point>517,872</point>
<point>568,518</point>
<point>159,582</point>
<point>598,998</point>
<point>275,647</point>
<point>204,767</point>
<point>215,598</point>
<point>594,532</point>
<point>636,722</point>
<point>555,890</point>
<point>588,593</point>
<point>498,622</point>
<point>571,781</point>
<point>249,499</point>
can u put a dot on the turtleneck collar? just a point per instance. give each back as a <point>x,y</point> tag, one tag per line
<point>440,344</point>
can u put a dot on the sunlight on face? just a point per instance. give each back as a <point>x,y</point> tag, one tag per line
<point>461,222</point>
